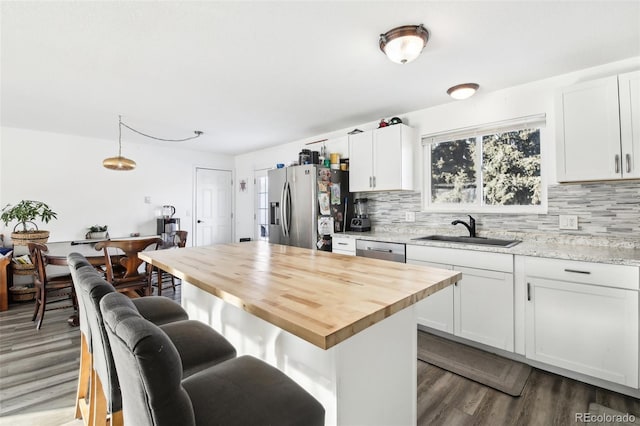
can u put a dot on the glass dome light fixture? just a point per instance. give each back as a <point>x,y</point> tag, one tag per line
<point>463,91</point>
<point>404,44</point>
<point>122,163</point>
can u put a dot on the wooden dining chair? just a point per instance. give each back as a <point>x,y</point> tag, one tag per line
<point>123,264</point>
<point>180,241</point>
<point>53,291</point>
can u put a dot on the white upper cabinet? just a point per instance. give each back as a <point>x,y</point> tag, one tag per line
<point>629,90</point>
<point>360,161</point>
<point>597,129</point>
<point>381,159</point>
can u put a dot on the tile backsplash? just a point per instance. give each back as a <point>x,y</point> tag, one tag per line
<point>607,210</point>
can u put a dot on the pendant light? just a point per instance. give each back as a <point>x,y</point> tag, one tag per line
<point>404,44</point>
<point>119,162</point>
<point>123,163</point>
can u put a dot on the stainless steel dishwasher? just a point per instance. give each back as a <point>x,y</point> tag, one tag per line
<point>394,252</point>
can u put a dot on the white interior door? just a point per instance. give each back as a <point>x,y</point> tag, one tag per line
<point>213,207</point>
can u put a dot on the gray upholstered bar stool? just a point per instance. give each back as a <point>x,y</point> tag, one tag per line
<point>76,261</point>
<point>198,343</point>
<point>158,310</point>
<point>241,391</point>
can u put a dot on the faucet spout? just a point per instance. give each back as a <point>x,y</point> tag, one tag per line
<point>471,226</point>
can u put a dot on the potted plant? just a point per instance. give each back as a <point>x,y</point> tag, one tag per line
<point>97,232</point>
<point>26,212</point>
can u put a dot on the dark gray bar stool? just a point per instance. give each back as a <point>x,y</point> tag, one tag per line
<point>199,345</point>
<point>240,391</point>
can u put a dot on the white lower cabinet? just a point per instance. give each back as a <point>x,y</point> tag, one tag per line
<point>483,307</point>
<point>480,306</point>
<point>583,317</point>
<point>436,311</point>
<point>343,245</point>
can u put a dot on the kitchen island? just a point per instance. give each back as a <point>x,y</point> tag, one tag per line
<point>344,328</point>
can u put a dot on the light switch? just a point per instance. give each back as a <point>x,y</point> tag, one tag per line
<point>147,199</point>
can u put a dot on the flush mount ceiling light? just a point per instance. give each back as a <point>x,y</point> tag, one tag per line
<point>463,91</point>
<point>122,163</point>
<point>404,44</point>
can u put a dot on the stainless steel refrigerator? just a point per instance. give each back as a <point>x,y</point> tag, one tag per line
<point>307,204</point>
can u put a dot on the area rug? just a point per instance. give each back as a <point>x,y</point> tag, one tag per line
<point>605,416</point>
<point>483,367</point>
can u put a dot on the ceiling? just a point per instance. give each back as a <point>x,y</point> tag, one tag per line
<point>252,74</point>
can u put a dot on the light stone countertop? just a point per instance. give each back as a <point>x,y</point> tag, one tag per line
<point>591,250</point>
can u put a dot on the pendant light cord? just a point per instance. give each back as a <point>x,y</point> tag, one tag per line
<point>198,133</point>
<point>120,136</point>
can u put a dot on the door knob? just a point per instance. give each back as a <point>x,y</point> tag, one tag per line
<point>199,221</point>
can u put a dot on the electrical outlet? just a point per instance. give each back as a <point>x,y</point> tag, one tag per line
<point>147,199</point>
<point>568,221</point>
<point>410,216</point>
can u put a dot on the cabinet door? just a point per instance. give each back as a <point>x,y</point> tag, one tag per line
<point>436,311</point>
<point>483,306</point>
<point>360,161</point>
<point>629,91</point>
<point>588,131</point>
<point>584,328</point>
<point>387,158</point>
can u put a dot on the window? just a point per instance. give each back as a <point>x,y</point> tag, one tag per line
<point>261,215</point>
<point>490,168</point>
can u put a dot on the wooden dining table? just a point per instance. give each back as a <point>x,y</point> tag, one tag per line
<point>56,258</point>
<point>58,251</point>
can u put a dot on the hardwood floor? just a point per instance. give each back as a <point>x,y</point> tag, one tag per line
<point>38,377</point>
<point>547,399</point>
<point>39,369</point>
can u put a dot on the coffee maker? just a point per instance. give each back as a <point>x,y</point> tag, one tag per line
<point>361,222</point>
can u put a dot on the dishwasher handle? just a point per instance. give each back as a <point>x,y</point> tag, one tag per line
<point>380,250</point>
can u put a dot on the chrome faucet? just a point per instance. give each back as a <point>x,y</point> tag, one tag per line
<point>471,226</point>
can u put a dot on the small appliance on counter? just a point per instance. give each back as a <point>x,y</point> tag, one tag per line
<point>361,222</point>
<point>168,211</point>
<point>167,227</point>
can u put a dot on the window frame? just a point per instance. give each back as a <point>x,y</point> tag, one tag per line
<point>537,121</point>
<point>257,176</point>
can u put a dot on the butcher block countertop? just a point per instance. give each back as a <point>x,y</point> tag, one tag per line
<point>321,297</point>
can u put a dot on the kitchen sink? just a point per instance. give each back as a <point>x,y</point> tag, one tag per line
<point>470,240</point>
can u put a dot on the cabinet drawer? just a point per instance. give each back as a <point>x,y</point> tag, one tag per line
<point>467,258</point>
<point>620,276</point>
<point>343,244</point>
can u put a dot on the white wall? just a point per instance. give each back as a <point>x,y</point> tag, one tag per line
<point>485,107</point>
<point>66,172</point>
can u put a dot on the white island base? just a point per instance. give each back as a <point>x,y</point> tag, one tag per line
<point>367,379</point>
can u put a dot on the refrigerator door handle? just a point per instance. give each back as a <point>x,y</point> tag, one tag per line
<point>283,210</point>
<point>288,206</point>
